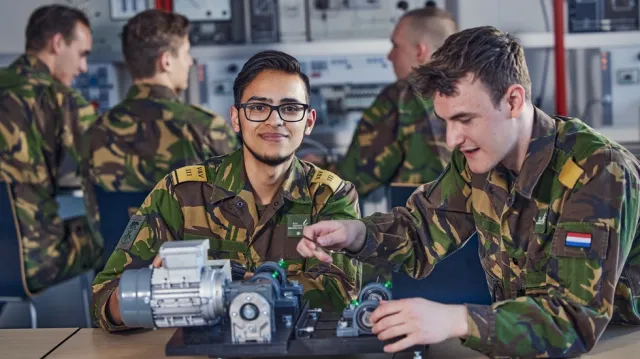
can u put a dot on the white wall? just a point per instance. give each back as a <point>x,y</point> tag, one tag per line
<point>514,16</point>
<point>14,22</point>
<point>518,16</point>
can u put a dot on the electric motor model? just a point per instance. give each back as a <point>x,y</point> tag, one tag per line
<point>188,290</point>
<point>355,319</point>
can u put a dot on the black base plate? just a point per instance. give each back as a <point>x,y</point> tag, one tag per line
<point>214,342</point>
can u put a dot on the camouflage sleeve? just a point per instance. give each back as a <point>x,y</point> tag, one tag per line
<point>221,138</point>
<point>78,116</point>
<point>158,220</point>
<point>436,222</point>
<point>337,285</point>
<point>566,314</point>
<point>54,250</point>
<point>374,154</point>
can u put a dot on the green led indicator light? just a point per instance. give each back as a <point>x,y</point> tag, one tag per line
<point>388,285</point>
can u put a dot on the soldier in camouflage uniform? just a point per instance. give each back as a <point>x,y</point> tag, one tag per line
<point>152,132</point>
<point>251,204</point>
<point>555,205</point>
<point>398,138</point>
<point>41,121</point>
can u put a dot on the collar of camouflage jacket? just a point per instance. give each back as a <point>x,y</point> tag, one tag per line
<point>539,153</point>
<point>231,181</point>
<point>145,91</point>
<point>30,63</point>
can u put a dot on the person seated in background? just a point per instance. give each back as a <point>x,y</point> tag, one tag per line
<point>152,132</point>
<point>43,121</point>
<point>555,204</point>
<point>399,139</point>
<point>251,204</point>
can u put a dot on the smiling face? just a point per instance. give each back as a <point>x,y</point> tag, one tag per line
<point>273,141</point>
<point>486,135</point>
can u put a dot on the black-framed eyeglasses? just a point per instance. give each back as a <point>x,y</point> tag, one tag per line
<point>260,112</point>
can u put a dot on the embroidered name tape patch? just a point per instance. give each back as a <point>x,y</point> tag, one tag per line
<point>575,239</point>
<point>295,224</point>
<point>131,231</point>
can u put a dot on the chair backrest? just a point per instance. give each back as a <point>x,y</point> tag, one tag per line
<point>12,280</point>
<point>115,209</point>
<point>457,279</point>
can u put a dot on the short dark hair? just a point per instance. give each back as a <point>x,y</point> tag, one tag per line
<point>147,35</point>
<point>46,21</point>
<point>267,60</point>
<point>432,22</point>
<point>490,55</point>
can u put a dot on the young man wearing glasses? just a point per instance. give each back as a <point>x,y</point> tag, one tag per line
<point>251,204</point>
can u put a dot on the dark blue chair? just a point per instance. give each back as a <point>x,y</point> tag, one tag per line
<point>115,209</point>
<point>458,279</point>
<point>13,284</point>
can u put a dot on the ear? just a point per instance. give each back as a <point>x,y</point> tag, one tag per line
<point>311,121</point>
<point>164,62</point>
<point>516,99</point>
<point>424,53</point>
<point>234,115</point>
<point>57,43</point>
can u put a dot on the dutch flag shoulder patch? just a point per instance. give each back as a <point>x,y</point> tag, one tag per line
<point>575,239</point>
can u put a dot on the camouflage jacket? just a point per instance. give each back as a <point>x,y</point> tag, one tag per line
<point>398,139</point>
<point>136,143</point>
<point>41,122</point>
<point>558,242</point>
<point>215,201</point>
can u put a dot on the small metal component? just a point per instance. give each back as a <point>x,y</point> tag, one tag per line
<point>249,311</point>
<point>250,325</point>
<point>374,291</point>
<point>288,320</point>
<point>307,330</point>
<point>342,323</point>
<point>417,355</point>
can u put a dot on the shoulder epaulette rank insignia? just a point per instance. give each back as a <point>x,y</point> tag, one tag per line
<point>327,178</point>
<point>570,173</point>
<point>195,173</point>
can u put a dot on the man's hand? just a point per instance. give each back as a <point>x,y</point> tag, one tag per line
<point>157,262</point>
<point>113,304</point>
<point>421,320</point>
<point>336,235</point>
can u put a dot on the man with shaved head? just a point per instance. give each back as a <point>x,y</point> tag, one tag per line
<point>398,138</point>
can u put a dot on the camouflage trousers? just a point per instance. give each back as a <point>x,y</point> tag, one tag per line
<point>59,253</point>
